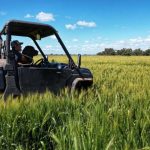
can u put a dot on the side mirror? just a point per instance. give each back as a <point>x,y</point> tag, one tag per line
<point>79,61</point>
<point>47,57</point>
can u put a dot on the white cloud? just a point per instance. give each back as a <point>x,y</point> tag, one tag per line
<point>70,26</point>
<point>86,41</point>
<point>136,40</point>
<point>92,47</point>
<point>80,24</point>
<point>75,40</point>
<point>86,24</point>
<point>42,16</point>
<point>48,46</point>
<point>47,49</point>
<point>28,16</point>
<point>53,37</point>
<point>121,41</point>
<point>139,42</point>
<point>2,13</point>
<point>147,40</point>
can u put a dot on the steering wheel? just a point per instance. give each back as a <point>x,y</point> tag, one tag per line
<point>39,62</point>
<point>28,59</point>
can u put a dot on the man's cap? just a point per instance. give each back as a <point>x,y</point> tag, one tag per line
<point>15,42</point>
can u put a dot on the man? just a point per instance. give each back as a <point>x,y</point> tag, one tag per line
<point>16,47</point>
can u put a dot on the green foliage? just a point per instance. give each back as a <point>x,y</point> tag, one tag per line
<point>138,52</point>
<point>147,52</point>
<point>108,51</point>
<point>112,114</point>
<point>125,52</point>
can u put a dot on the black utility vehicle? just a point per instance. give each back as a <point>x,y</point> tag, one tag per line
<point>16,79</point>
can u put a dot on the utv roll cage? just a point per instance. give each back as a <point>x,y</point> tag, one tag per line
<point>31,30</point>
<point>15,79</point>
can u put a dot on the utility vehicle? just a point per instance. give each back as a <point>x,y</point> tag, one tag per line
<point>42,75</point>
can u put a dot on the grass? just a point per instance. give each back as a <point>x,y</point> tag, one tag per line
<point>113,114</point>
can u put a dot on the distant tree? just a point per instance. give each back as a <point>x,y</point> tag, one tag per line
<point>119,52</point>
<point>109,51</point>
<point>147,52</point>
<point>137,52</point>
<point>126,51</point>
<point>99,53</point>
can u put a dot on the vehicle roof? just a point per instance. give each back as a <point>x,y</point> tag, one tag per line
<point>30,29</point>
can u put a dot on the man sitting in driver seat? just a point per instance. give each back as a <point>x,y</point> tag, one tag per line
<point>16,48</point>
<point>27,54</point>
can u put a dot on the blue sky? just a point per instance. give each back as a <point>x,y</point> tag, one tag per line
<point>87,26</point>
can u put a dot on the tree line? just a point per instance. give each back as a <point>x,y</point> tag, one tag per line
<point>125,52</point>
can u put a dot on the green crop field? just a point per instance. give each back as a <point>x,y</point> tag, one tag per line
<point>114,114</point>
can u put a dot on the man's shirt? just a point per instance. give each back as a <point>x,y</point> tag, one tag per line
<point>18,56</point>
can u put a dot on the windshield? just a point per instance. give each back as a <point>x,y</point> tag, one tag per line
<point>49,46</point>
